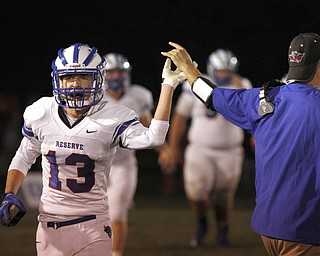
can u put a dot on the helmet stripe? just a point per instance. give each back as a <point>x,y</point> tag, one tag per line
<point>90,56</point>
<point>76,53</point>
<point>61,57</point>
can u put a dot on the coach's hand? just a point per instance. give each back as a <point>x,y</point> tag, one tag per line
<point>11,210</point>
<point>170,77</point>
<point>183,61</point>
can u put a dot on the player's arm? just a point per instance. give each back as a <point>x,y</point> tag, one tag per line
<point>171,79</point>
<point>201,86</point>
<point>163,150</point>
<point>14,181</point>
<point>163,109</point>
<point>136,136</point>
<point>177,130</point>
<point>12,209</point>
<point>170,153</point>
<point>145,119</point>
<point>170,156</point>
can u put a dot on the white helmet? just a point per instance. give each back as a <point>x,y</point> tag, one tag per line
<point>116,61</point>
<point>222,59</point>
<point>225,60</point>
<point>78,59</point>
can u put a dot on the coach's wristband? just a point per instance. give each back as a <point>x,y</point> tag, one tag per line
<point>203,89</point>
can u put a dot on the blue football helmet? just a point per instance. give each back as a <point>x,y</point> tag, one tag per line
<point>117,62</point>
<point>82,60</point>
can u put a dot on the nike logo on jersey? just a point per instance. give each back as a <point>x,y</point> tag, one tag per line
<point>88,131</point>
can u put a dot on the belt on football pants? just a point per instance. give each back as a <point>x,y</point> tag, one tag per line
<point>56,224</point>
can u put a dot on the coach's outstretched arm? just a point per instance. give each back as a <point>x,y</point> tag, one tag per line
<point>201,87</point>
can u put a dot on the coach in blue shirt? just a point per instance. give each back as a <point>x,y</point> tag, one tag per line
<point>285,122</point>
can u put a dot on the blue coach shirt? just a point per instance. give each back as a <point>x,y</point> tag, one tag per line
<point>287,158</point>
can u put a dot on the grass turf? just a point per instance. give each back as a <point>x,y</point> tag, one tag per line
<point>157,226</point>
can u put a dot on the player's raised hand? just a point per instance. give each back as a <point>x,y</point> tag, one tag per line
<point>11,210</point>
<point>179,56</point>
<point>170,77</point>
<point>183,61</point>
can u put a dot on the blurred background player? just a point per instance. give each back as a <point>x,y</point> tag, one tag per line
<point>213,157</point>
<point>124,170</point>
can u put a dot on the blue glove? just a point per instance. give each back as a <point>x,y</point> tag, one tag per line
<point>11,210</point>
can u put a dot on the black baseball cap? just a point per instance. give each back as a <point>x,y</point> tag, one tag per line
<point>303,57</point>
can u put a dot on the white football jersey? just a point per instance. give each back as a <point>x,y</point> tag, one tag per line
<point>76,161</point>
<point>139,99</point>
<point>208,128</point>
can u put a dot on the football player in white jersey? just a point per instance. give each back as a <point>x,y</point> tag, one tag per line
<point>123,176</point>
<point>77,135</point>
<point>213,157</point>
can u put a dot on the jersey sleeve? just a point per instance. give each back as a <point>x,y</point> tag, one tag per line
<point>239,106</point>
<point>30,146</point>
<point>133,135</point>
<point>26,155</point>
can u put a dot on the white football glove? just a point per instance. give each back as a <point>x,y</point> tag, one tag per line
<point>170,77</point>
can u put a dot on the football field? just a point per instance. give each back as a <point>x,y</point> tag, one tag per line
<point>157,226</point>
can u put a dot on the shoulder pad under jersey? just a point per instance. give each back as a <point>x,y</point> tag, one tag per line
<point>139,88</point>
<point>142,94</point>
<point>246,83</point>
<point>38,109</point>
<point>109,113</point>
<point>140,91</point>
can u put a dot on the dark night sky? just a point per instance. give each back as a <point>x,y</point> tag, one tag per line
<point>259,33</point>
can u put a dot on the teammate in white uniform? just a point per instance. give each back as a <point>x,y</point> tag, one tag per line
<point>77,135</point>
<point>213,157</point>
<point>123,176</point>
